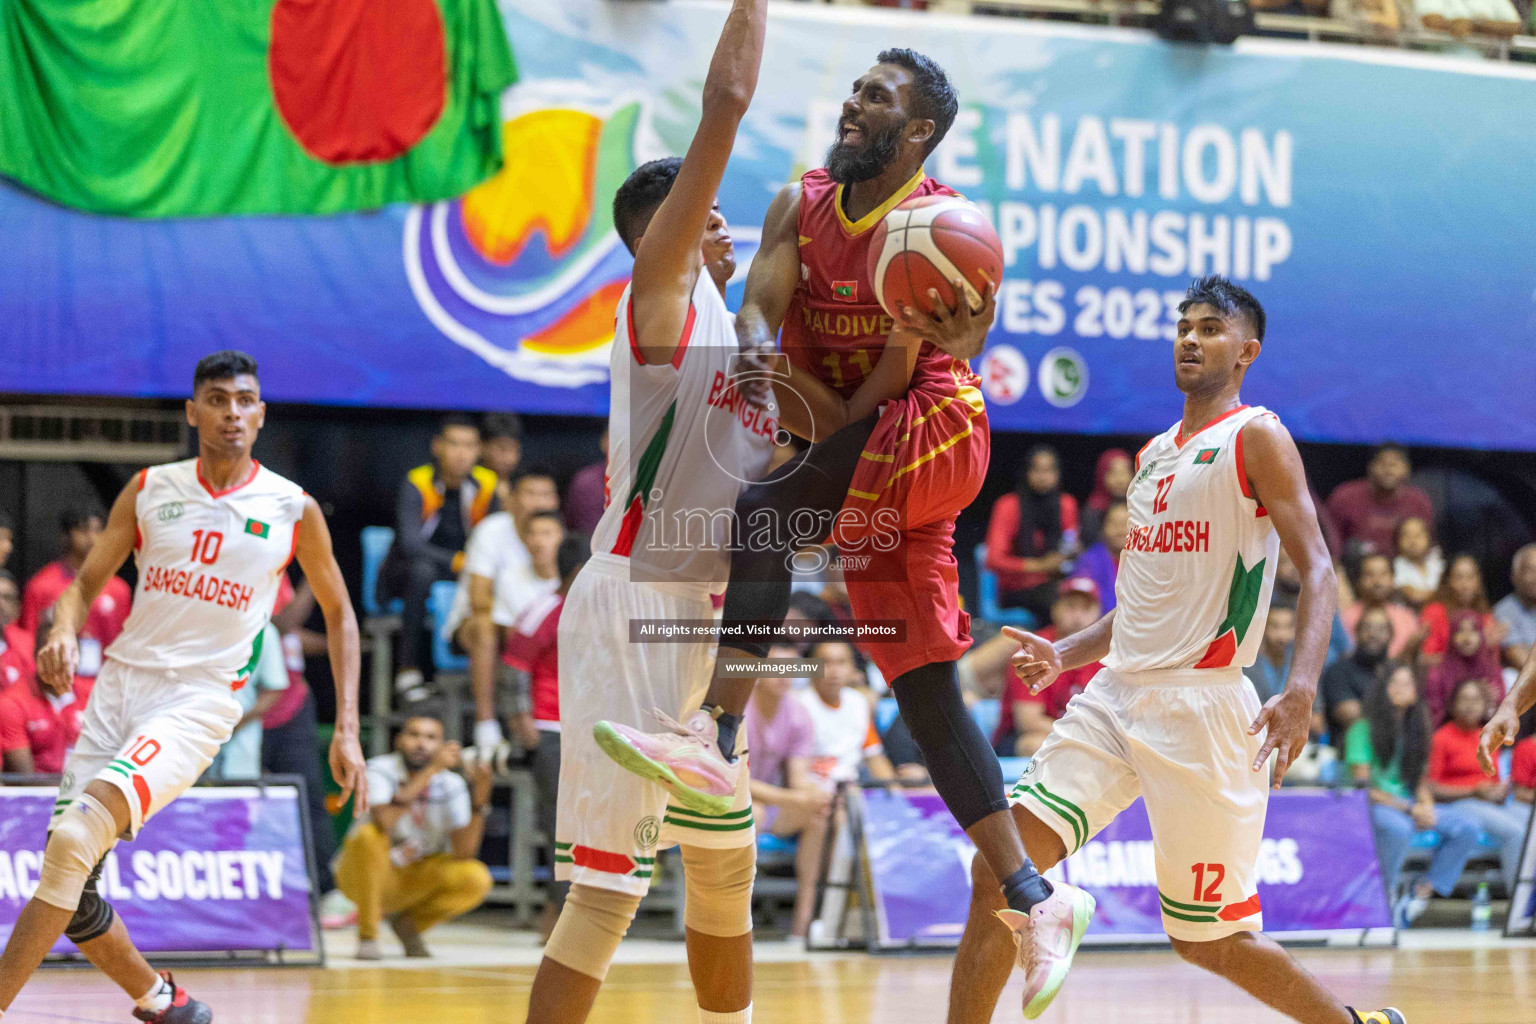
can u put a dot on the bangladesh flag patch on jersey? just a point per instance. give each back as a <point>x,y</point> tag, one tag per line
<point>1206,456</point>
<point>257,528</point>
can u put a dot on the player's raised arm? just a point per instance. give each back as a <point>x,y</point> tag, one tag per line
<point>668,260</point>
<point>58,657</point>
<point>774,273</point>
<point>318,561</point>
<point>1279,484</point>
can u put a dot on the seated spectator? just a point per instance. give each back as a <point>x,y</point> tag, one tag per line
<point>1272,668</point>
<point>1373,589</point>
<point>1461,589</point>
<point>1388,750</point>
<point>1522,771</point>
<point>1470,657</point>
<point>1288,591</point>
<point>1417,569</point>
<point>1347,682</point>
<point>15,644</point>
<point>439,505</point>
<point>7,537</point>
<point>413,860</point>
<point>1518,611</point>
<point>78,529</point>
<point>1370,509</point>
<point>1031,535</point>
<point>847,744</point>
<point>501,449</point>
<point>37,728</point>
<point>532,650</point>
<point>1027,717</point>
<point>240,756</point>
<point>788,801</point>
<point>1111,479</point>
<point>587,494</point>
<point>1101,562</point>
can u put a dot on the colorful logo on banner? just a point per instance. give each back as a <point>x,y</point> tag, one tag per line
<point>526,269</point>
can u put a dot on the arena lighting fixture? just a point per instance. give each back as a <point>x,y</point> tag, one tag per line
<point>1203,21</point>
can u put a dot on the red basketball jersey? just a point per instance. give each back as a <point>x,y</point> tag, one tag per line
<point>835,327</point>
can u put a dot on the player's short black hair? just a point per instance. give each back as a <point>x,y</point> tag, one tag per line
<point>1390,446</point>
<point>502,424</point>
<point>534,470</point>
<point>456,419</point>
<point>1231,299</point>
<point>76,516</point>
<point>224,365</point>
<point>639,196</point>
<point>933,97</point>
<point>572,554</point>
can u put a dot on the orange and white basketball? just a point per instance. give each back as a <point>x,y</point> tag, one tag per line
<point>925,244</point>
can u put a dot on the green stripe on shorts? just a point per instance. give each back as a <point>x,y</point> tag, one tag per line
<point>1193,908</point>
<point>702,826</point>
<point>120,771</point>
<point>1063,810</point>
<point>727,816</point>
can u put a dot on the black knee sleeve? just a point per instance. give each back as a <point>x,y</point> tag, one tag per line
<point>93,916</point>
<point>960,760</point>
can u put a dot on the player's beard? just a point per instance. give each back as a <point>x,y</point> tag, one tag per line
<point>846,166</point>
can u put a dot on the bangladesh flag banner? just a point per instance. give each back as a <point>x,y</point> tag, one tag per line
<point>153,108</point>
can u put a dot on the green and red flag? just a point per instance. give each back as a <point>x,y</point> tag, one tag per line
<point>257,528</point>
<point>156,109</point>
<point>1206,456</point>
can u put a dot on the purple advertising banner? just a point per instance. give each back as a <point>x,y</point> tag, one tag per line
<point>221,869</point>
<point>1317,869</point>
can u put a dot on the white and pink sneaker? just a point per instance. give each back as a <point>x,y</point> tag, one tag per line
<point>685,760</point>
<point>1047,938</point>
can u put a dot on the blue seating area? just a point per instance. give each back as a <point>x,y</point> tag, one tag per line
<point>376,542</point>
<point>439,604</point>
<point>986,596</point>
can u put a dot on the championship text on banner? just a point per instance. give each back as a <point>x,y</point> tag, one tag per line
<point>1317,869</point>
<point>221,869</point>
<point>1115,167</point>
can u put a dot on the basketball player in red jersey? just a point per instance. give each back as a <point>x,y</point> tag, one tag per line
<point>885,487</point>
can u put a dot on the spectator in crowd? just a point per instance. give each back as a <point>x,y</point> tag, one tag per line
<point>587,494</point>
<point>1027,717</point>
<point>1370,509</point>
<point>1272,667</point>
<point>413,860</point>
<point>1032,534</point>
<point>1470,657</point>
<point>1458,781</point>
<point>1419,565</point>
<point>532,650</point>
<point>240,756</point>
<point>1518,611</point>
<point>289,734</point>
<point>501,449</point>
<point>439,505</point>
<point>1101,562</point>
<point>7,537</point>
<point>1373,589</point>
<point>493,586</point>
<point>843,721</point>
<point>1388,750</point>
<point>15,644</point>
<point>1461,590</point>
<point>1111,479</point>
<point>38,729</point>
<point>788,801</point>
<point>1522,771</point>
<point>1288,591</point>
<point>1347,682</point>
<point>78,529</point>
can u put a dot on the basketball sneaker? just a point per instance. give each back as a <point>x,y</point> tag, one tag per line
<point>1387,1016</point>
<point>1047,938</point>
<point>684,760</point>
<point>183,1009</point>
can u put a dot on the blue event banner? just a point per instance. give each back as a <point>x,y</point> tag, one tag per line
<point>220,869</point>
<point>1317,869</point>
<point>1376,201</point>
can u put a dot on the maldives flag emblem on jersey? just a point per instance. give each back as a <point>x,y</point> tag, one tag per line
<point>257,528</point>
<point>845,291</point>
<point>1206,456</point>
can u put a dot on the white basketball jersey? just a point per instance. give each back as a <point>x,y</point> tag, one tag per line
<point>209,566</point>
<point>1199,563</point>
<point>682,446</point>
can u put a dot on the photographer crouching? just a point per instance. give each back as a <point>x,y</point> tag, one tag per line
<point>413,860</point>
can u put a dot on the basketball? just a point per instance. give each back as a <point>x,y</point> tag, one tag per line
<point>925,244</point>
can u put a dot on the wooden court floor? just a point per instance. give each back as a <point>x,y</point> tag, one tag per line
<point>1489,985</point>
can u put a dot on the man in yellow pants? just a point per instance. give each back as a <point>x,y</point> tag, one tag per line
<point>413,861</point>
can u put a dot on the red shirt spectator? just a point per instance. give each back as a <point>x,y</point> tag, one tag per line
<point>42,727</point>
<point>1461,589</point>
<point>1453,757</point>
<point>103,622</point>
<point>15,644</point>
<point>1522,767</point>
<point>532,646</point>
<point>1028,529</point>
<point>1370,509</point>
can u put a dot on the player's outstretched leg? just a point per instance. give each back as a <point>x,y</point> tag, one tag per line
<point>1256,964</point>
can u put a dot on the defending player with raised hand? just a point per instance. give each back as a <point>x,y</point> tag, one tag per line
<point>683,442</point>
<point>1171,718</point>
<point>212,537</point>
